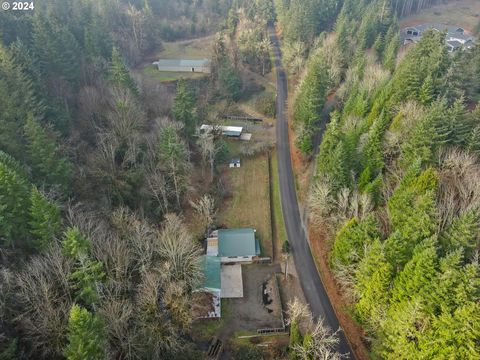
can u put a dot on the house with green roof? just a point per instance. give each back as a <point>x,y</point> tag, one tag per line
<point>212,285</point>
<point>233,245</point>
<point>227,250</point>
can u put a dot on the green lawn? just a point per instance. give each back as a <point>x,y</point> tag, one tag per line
<point>188,49</point>
<point>249,205</point>
<point>279,225</point>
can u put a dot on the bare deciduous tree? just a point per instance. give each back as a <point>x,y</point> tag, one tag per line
<point>205,208</point>
<point>208,149</point>
<point>43,295</point>
<point>319,341</point>
<point>459,189</point>
<point>180,253</point>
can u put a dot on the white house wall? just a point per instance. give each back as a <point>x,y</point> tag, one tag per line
<point>183,69</point>
<point>237,259</point>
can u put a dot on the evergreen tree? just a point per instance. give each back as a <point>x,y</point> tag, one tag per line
<point>454,336</point>
<point>417,278</point>
<point>427,91</point>
<point>174,157</point>
<point>351,240</point>
<point>86,335</point>
<point>184,107</point>
<point>85,279</point>
<point>14,204</point>
<point>230,85</point>
<point>412,208</point>
<point>390,52</point>
<point>44,219</point>
<point>48,164</point>
<point>311,97</point>
<point>57,49</point>
<point>17,100</point>
<point>75,245</point>
<point>462,233</point>
<point>372,286</point>
<point>119,74</point>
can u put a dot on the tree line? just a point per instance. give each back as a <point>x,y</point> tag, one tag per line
<point>395,186</point>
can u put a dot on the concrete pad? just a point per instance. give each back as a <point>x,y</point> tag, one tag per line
<point>232,282</point>
<point>246,137</point>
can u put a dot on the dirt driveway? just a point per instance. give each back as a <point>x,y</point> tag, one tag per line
<point>249,313</point>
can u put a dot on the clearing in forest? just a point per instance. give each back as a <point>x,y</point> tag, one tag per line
<point>464,13</point>
<point>200,48</point>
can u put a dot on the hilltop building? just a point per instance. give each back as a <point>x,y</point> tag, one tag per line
<point>456,38</point>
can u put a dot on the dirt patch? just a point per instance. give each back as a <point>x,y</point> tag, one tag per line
<point>320,248</point>
<point>250,313</point>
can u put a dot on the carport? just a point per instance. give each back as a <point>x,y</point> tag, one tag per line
<point>232,282</point>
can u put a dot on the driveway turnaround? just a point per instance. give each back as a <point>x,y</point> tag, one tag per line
<point>310,281</point>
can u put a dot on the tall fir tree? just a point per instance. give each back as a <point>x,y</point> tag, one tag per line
<point>44,221</point>
<point>86,335</point>
<point>183,108</point>
<point>119,73</point>
<point>49,165</point>
<point>14,205</point>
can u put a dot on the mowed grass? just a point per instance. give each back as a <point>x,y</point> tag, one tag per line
<point>465,13</point>
<point>249,205</point>
<point>200,48</point>
<point>279,224</point>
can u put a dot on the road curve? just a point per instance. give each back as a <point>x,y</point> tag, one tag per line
<point>310,281</point>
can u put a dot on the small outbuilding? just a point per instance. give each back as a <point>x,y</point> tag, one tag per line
<point>229,131</point>
<point>235,163</point>
<point>183,65</point>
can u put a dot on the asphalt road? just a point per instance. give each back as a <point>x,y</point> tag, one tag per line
<point>310,281</point>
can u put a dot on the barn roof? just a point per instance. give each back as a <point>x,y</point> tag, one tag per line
<point>187,63</point>
<point>237,242</point>
<point>212,273</point>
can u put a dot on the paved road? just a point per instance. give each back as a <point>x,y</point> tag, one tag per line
<point>310,281</point>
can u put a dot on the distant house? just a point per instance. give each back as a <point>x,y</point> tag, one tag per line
<point>235,163</point>
<point>183,65</point>
<point>456,38</point>
<point>230,131</point>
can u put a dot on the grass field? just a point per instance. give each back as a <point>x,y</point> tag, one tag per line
<point>465,13</point>
<point>279,225</point>
<point>200,48</point>
<point>249,205</point>
<point>186,49</point>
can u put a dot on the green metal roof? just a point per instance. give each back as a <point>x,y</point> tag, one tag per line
<point>211,271</point>
<point>236,242</point>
